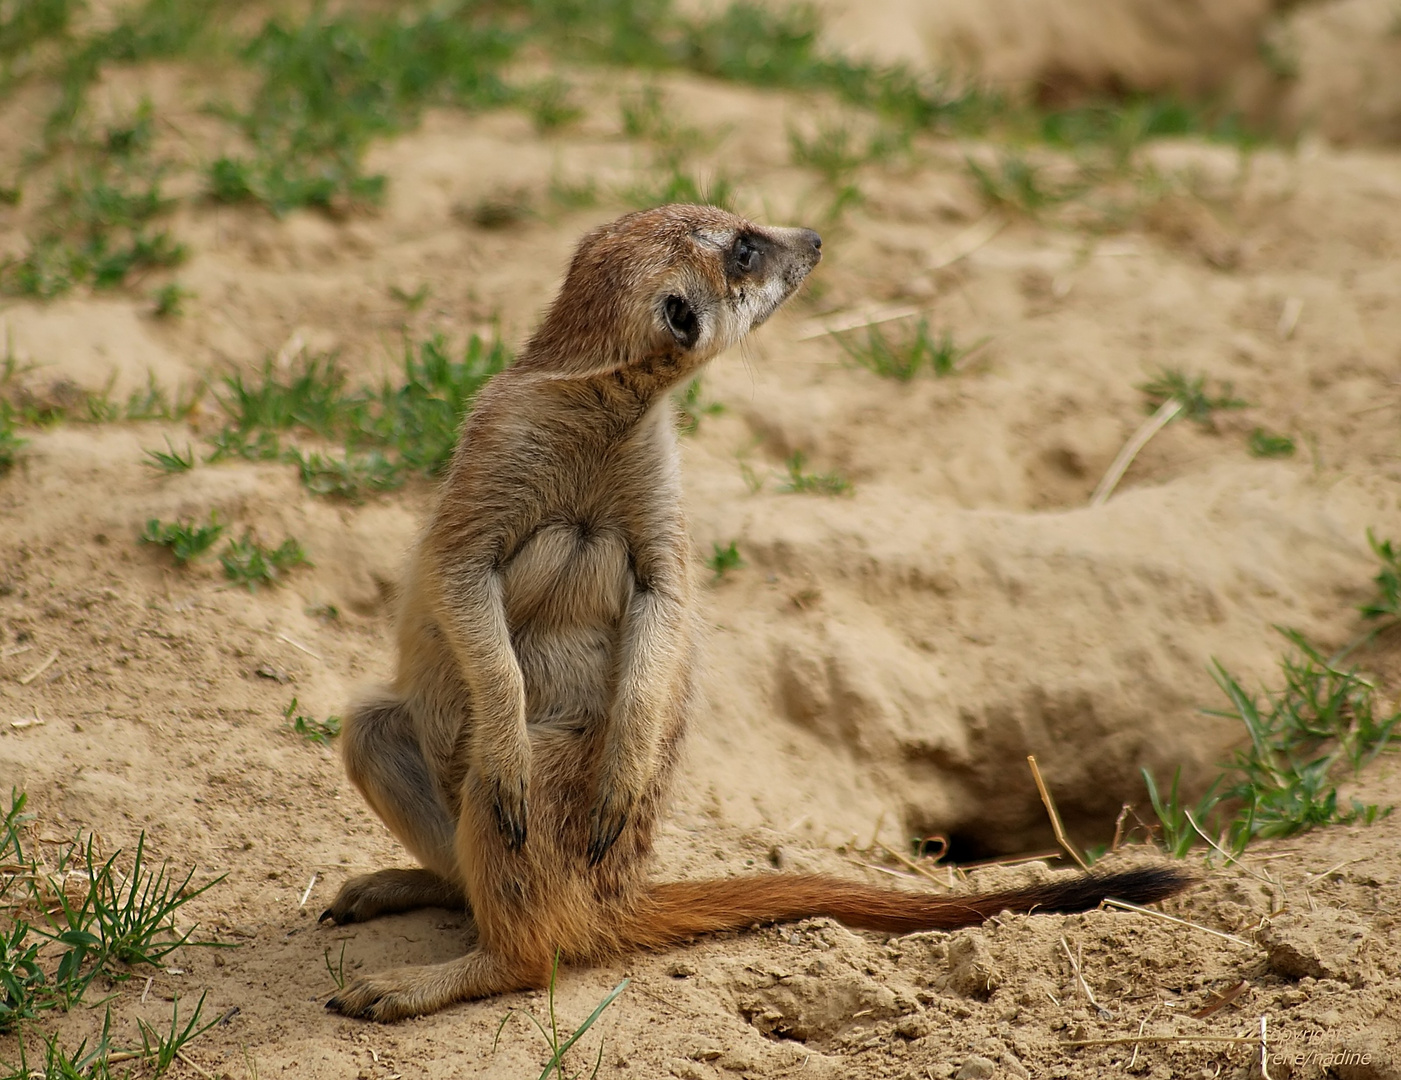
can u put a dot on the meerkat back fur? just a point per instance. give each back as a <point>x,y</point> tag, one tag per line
<point>546,638</point>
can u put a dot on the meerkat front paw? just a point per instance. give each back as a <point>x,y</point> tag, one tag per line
<point>606,822</point>
<point>508,805</point>
<point>503,776</point>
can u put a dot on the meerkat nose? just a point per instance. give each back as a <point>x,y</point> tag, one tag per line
<point>814,239</point>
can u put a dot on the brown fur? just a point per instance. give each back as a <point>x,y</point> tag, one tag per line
<point>524,750</point>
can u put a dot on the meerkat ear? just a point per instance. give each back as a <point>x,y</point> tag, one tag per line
<point>682,321</point>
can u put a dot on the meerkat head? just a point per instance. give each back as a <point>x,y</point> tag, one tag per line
<point>665,290</point>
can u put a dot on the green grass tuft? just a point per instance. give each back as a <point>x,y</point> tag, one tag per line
<point>1174,817</point>
<point>549,106</point>
<point>311,729</point>
<point>1386,604</point>
<point>1123,125</point>
<point>412,301</point>
<point>170,300</point>
<point>149,403</point>
<point>560,1046</point>
<point>10,442</point>
<point>572,194</point>
<point>246,562</point>
<point>724,559</point>
<point>60,939</point>
<point>835,152</point>
<point>153,403</point>
<point>171,460</point>
<point>1019,185</point>
<point>184,539</point>
<point>159,1050</point>
<point>1197,405</point>
<point>829,483</point>
<point>1284,780</point>
<point>387,433</point>
<point>313,396</point>
<point>348,477</point>
<point>26,23</point>
<point>1265,444</point>
<point>502,210</point>
<point>905,357</point>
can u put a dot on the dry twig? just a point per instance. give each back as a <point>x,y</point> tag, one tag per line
<point>1232,859</point>
<point>1150,427</point>
<point>1180,922</point>
<point>1221,1000</point>
<point>909,864</point>
<point>968,241</point>
<point>1015,860</point>
<point>203,1072</point>
<point>1134,1040</point>
<point>857,320</point>
<point>1050,805</point>
<point>33,673</point>
<point>298,645</point>
<point>1104,1014</point>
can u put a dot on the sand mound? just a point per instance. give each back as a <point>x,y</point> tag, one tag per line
<point>1330,66</point>
<point>1063,48</point>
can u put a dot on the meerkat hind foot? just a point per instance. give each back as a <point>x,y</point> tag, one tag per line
<point>413,991</point>
<point>386,892</point>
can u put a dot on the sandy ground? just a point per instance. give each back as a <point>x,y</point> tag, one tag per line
<point>880,665</point>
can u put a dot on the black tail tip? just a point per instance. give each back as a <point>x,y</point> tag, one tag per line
<point>1145,884</point>
<point>1068,894</point>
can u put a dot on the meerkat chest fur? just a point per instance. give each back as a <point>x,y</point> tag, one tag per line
<point>564,496</point>
<point>606,510</point>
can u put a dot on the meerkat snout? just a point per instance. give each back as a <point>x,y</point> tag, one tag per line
<point>763,267</point>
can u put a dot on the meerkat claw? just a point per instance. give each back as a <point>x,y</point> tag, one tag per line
<point>606,827</point>
<point>510,818</point>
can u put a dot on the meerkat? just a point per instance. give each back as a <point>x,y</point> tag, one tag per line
<point>546,638</point>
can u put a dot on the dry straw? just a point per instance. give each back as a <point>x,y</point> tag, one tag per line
<point>1054,815</point>
<point>1167,411</point>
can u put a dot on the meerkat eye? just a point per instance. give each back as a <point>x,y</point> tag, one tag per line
<point>682,321</point>
<point>746,255</point>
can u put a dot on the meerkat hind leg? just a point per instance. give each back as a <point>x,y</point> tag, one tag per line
<point>385,892</point>
<point>412,991</point>
<point>383,759</point>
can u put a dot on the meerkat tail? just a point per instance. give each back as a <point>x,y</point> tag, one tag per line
<point>676,911</point>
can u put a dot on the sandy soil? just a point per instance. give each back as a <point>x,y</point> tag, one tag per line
<point>1320,66</point>
<point>880,665</point>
